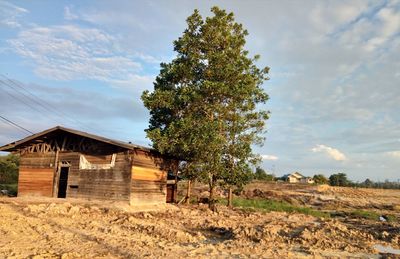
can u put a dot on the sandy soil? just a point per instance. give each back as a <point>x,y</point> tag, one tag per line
<point>328,197</point>
<point>33,228</point>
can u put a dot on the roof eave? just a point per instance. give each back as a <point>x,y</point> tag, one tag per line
<point>12,146</point>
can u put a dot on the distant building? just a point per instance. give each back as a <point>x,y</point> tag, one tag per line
<point>296,177</point>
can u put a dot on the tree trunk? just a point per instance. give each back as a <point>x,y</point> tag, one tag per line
<point>211,202</point>
<point>230,197</point>
<point>188,191</point>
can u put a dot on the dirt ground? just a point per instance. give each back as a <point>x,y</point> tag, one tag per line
<point>37,228</point>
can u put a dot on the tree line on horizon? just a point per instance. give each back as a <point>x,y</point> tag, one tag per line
<point>337,179</point>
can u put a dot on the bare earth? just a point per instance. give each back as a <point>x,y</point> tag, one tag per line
<point>33,228</point>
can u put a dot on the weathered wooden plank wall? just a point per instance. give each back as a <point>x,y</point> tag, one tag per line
<point>136,176</point>
<point>108,184</point>
<point>149,179</point>
<point>36,174</point>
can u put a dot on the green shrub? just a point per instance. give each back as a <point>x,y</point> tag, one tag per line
<point>9,169</point>
<point>12,189</point>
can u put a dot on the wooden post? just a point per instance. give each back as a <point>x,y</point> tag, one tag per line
<point>230,197</point>
<point>189,186</point>
<point>175,192</point>
<point>55,177</point>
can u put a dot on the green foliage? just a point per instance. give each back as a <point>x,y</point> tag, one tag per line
<point>365,214</point>
<point>339,179</point>
<point>391,218</point>
<point>320,179</point>
<point>261,175</point>
<point>204,105</point>
<point>9,169</point>
<point>379,185</point>
<point>371,215</point>
<point>12,189</point>
<point>271,205</point>
<point>368,183</point>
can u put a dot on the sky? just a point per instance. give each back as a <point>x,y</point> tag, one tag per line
<point>334,81</point>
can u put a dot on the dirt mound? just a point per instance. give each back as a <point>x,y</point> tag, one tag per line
<point>323,188</point>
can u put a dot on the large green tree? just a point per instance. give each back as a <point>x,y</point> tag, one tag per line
<point>204,107</point>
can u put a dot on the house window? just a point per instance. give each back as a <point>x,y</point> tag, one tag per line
<point>85,164</point>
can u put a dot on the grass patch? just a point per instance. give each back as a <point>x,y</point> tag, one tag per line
<point>365,214</point>
<point>391,218</point>
<point>11,188</point>
<point>371,215</point>
<point>271,205</point>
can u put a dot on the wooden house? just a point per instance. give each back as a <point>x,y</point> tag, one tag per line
<point>65,163</point>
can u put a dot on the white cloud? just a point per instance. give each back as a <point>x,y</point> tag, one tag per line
<point>137,82</point>
<point>372,32</point>
<point>395,154</point>
<point>269,157</point>
<point>391,21</point>
<point>148,58</point>
<point>70,52</point>
<point>331,152</point>
<point>68,15</point>
<point>327,17</point>
<point>10,13</point>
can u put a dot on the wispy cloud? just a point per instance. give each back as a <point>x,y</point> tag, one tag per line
<point>395,154</point>
<point>10,13</point>
<point>269,157</point>
<point>69,15</point>
<point>70,52</point>
<point>331,152</point>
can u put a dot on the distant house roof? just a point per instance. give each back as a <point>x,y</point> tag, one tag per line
<point>16,145</point>
<point>295,174</point>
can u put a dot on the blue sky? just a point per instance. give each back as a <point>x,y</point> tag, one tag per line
<point>334,88</point>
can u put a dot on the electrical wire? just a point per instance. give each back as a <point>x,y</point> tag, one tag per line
<point>15,124</point>
<point>12,84</point>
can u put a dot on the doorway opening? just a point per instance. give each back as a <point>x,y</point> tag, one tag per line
<point>62,182</point>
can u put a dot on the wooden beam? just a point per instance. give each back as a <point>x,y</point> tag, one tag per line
<point>63,144</point>
<point>80,144</point>
<point>56,145</point>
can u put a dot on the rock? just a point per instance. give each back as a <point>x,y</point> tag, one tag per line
<point>147,215</point>
<point>74,210</point>
<point>384,234</point>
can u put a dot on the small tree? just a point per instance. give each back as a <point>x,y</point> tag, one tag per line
<point>320,179</point>
<point>339,179</point>
<point>261,175</point>
<point>367,183</point>
<point>236,179</point>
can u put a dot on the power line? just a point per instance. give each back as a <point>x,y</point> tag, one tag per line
<point>26,96</point>
<point>15,124</point>
<point>19,99</point>
<point>42,103</point>
<point>46,107</point>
